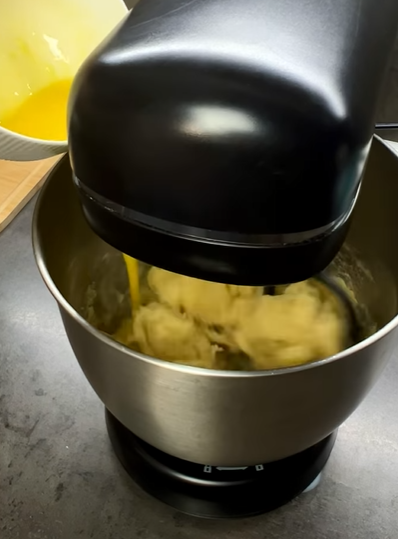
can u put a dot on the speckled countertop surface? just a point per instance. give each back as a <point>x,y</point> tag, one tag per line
<point>60,479</point>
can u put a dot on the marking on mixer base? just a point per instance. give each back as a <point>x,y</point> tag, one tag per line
<point>259,468</point>
<point>221,468</point>
<point>207,469</point>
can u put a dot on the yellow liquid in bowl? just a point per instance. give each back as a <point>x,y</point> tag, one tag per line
<point>43,114</point>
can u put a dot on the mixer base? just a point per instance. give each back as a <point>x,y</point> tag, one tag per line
<point>217,492</point>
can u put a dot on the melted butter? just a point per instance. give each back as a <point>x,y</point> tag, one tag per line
<point>42,46</point>
<point>43,114</point>
<point>134,283</point>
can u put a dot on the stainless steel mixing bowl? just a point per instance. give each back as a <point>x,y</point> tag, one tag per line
<point>226,418</point>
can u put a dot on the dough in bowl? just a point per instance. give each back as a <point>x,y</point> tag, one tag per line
<point>304,324</point>
<point>219,326</point>
<point>165,334</point>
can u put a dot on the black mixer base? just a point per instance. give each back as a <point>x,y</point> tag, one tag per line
<point>217,492</point>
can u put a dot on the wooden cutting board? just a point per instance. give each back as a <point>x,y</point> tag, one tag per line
<point>19,181</point>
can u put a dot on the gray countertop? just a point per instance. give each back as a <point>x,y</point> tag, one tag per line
<point>60,479</point>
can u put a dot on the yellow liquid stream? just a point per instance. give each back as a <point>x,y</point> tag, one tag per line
<point>134,282</point>
<point>43,114</point>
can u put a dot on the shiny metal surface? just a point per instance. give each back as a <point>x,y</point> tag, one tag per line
<point>219,417</point>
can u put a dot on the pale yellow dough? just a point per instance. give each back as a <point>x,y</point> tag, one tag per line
<point>207,302</point>
<point>193,319</point>
<point>304,324</point>
<point>171,336</point>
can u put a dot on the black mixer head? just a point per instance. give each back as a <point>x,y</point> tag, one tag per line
<point>196,148</point>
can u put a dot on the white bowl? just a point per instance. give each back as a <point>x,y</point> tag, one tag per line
<point>43,42</point>
<point>15,147</point>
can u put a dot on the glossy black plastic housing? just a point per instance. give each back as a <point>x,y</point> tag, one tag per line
<point>226,139</point>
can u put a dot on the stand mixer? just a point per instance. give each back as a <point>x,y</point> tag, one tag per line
<point>226,141</point>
